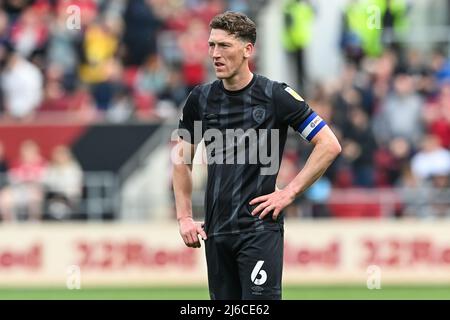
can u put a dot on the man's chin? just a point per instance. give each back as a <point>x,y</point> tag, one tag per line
<point>222,75</point>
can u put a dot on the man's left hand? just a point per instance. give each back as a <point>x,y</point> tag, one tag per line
<point>275,201</point>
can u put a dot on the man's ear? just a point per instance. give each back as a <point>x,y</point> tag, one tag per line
<point>248,50</point>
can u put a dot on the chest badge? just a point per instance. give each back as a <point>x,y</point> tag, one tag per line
<point>259,114</point>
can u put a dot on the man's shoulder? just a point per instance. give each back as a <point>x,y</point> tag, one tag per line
<point>271,87</point>
<point>267,82</point>
<point>204,88</point>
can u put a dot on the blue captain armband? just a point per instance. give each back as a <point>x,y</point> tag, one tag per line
<point>311,126</point>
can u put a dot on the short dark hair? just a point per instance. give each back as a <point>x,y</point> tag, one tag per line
<point>237,24</point>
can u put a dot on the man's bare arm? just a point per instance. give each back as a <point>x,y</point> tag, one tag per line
<point>326,149</point>
<point>182,186</point>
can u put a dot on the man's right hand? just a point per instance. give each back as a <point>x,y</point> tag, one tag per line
<point>189,230</point>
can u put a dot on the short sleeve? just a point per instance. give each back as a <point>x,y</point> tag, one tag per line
<point>292,110</point>
<point>188,118</point>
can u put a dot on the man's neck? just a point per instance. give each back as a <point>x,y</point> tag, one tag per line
<point>238,82</point>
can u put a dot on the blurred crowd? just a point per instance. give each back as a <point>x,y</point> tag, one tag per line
<point>120,60</point>
<point>112,60</point>
<point>392,117</point>
<point>390,108</point>
<point>33,188</point>
<point>91,60</point>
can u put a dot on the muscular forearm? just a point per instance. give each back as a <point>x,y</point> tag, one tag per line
<point>320,159</point>
<point>182,185</point>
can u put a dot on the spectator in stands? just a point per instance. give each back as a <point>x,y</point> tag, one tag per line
<point>352,90</point>
<point>194,46</point>
<point>431,160</point>
<point>176,90</point>
<point>24,195</point>
<point>401,112</point>
<point>122,107</point>
<point>99,66</point>
<point>440,64</point>
<point>4,27</point>
<point>381,71</point>
<point>63,181</point>
<point>412,194</point>
<point>431,168</point>
<point>318,195</point>
<point>439,202</point>
<point>141,27</point>
<point>75,103</point>
<point>152,77</point>
<point>359,147</point>
<point>155,81</point>
<point>14,8</point>
<point>358,39</point>
<point>398,153</point>
<point>21,83</point>
<point>437,115</point>
<point>62,48</point>
<point>30,33</point>
<point>55,95</point>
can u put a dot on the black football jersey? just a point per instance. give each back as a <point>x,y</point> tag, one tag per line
<point>243,161</point>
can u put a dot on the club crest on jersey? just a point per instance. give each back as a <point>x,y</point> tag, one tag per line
<point>259,114</point>
<point>294,94</point>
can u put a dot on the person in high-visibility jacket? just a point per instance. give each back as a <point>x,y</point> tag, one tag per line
<point>297,32</point>
<point>369,24</point>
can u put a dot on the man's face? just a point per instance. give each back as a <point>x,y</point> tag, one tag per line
<point>229,54</point>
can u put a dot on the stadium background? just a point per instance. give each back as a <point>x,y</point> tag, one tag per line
<point>90,95</point>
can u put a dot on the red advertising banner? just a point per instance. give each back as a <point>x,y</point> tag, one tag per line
<point>154,254</point>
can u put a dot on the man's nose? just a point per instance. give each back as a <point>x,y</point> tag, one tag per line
<point>215,52</point>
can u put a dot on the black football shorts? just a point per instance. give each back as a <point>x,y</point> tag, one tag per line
<point>245,266</point>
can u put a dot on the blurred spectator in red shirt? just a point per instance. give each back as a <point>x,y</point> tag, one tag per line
<point>437,115</point>
<point>25,191</point>
<point>194,47</point>
<point>29,33</point>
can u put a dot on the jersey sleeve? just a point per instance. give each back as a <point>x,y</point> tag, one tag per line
<point>292,110</point>
<point>188,118</point>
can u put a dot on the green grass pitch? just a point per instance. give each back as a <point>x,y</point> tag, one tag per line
<point>201,293</point>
